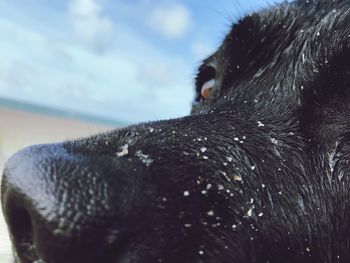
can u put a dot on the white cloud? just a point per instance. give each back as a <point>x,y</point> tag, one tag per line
<point>91,26</point>
<point>171,20</point>
<point>65,75</point>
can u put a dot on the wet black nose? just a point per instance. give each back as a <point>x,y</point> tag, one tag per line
<point>57,207</point>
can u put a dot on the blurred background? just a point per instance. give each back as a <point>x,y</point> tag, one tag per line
<point>72,68</point>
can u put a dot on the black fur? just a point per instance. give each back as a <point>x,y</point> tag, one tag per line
<point>259,172</point>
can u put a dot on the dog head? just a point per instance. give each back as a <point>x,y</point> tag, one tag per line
<point>257,173</point>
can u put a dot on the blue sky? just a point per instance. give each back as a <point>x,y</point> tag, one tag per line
<point>126,60</point>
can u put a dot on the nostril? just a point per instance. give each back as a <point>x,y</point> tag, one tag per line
<point>21,228</point>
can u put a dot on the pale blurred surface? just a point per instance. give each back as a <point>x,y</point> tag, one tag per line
<point>19,129</point>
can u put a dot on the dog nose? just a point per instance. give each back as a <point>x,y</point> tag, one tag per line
<point>57,207</point>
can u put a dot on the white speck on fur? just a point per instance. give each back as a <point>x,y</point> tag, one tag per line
<point>186,193</point>
<point>260,124</point>
<point>237,178</point>
<point>250,212</point>
<point>203,149</point>
<point>144,158</point>
<point>225,175</point>
<point>124,151</point>
<point>274,141</point>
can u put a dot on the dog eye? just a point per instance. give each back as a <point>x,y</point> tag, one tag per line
<point>207,88</point>
<point>205,82</point>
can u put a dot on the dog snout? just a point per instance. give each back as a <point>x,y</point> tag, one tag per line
<point>58,208</point>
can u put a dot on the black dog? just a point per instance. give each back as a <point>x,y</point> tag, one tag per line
<point>258,173</point>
